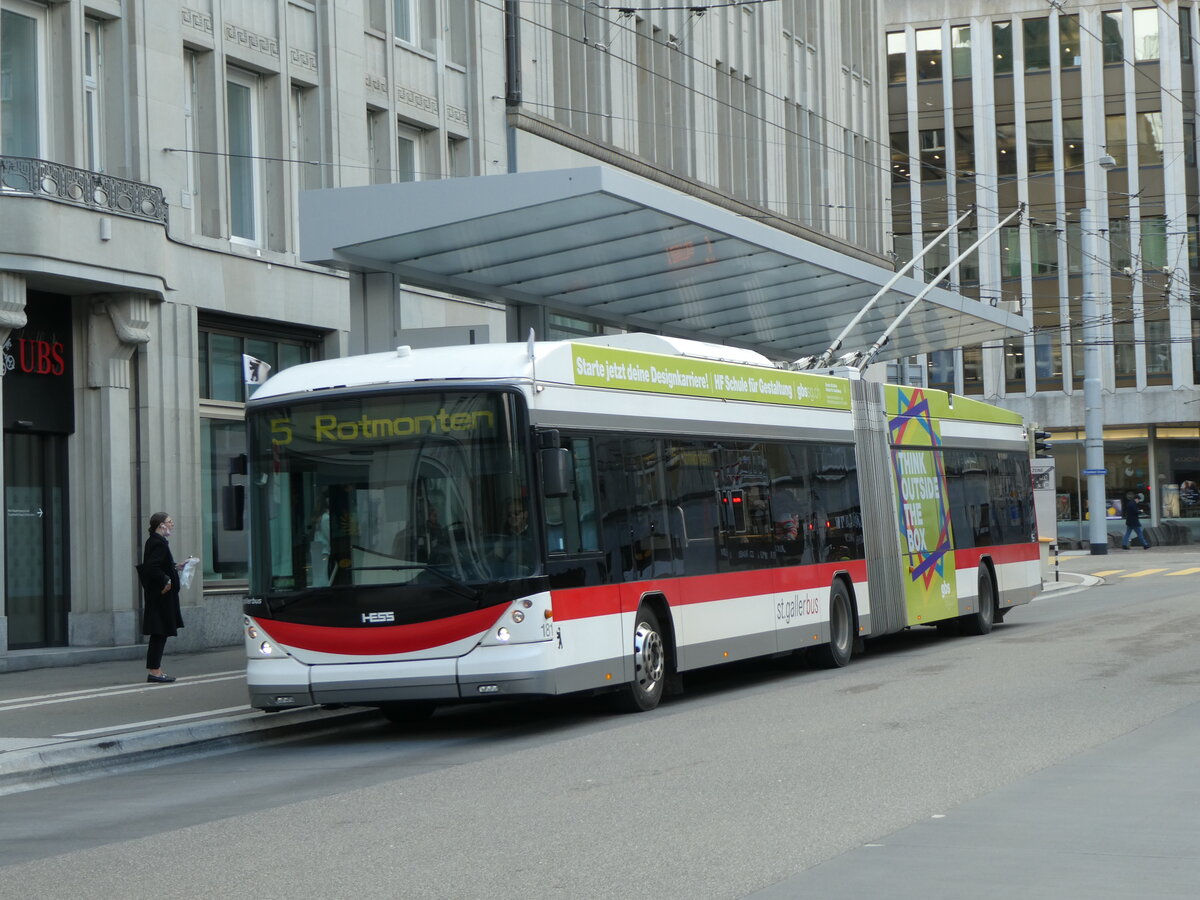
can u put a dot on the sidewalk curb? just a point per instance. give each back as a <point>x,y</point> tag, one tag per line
<point>1070,580</point>
<point>64,761</point>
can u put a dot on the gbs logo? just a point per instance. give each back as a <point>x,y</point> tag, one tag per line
<point>378,618</point>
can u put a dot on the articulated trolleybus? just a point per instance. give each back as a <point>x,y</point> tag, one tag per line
<point>432,526</point>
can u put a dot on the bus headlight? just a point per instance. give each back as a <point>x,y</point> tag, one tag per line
<point>502,634</point>
<point>518,616</point>
<point>266,649</point>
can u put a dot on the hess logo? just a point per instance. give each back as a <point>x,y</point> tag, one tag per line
<point>378,618</point>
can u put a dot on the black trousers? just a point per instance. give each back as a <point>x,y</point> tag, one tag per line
<point>154,650</point>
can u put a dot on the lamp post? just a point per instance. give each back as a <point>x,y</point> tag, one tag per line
<point>1093,409</point>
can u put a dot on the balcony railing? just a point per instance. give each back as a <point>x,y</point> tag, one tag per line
<point>81,187</point>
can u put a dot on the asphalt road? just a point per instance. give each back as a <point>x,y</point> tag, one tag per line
<point>761,778</point>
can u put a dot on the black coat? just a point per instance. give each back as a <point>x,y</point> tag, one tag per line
<point>160,612</point>
<point>1132,516</point>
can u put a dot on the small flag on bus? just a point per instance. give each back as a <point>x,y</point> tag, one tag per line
<point>254,370</point>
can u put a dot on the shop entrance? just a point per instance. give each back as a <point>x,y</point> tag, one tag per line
<point>35,552</point>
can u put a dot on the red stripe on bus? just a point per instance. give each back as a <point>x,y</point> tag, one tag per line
<point>605,600</point>
<point>381,640</point>
<point>1001,553</point>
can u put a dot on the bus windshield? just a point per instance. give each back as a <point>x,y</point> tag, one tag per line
<point>394,488</point>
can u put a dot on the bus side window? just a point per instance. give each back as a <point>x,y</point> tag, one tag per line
<point>571,520</point>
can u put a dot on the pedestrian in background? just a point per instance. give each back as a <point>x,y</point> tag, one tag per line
<point>161,617</point>
<point>1133,523</point>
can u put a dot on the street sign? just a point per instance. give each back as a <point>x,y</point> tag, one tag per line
<point>1095,471</point>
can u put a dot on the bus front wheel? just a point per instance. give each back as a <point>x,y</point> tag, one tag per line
<point>837,652</point>
<point>649,666</point>
<point>407,713</point>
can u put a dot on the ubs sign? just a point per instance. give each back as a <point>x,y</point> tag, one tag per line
<point>36,365</point>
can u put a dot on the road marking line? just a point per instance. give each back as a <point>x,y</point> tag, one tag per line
<point>1143,572</point>
<point>149,722</point>
<point>1108,572</point>
<point>1183,572</point>
<point>99,693</point>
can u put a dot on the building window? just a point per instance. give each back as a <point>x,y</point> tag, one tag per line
<point>1039,139</point>
<point>223,438</point>
<point>968,269</point>
<point>21,67</point>
<point>1114,139</point>
<point>1068,42</point>
<point>1010,252</point>
<point>1119,254</point>
<point>1185,34</point>
<point>241,94</point>
<point>933,154</point>
<point>1154,243</point>
<point>92,121</point>
<point>900,173</point>
<point>1043,249</point>
<point>895,57</point>
<point>1047,356</point>
<point>1072,146</point>
<point>972,359</point>
<point>1014,365</point>
<point>1074,248</point>
<point>1036,37</point>
<point>377,146</point>
<point>1006,149</point>
<point>1002,48</point>
<point>408,154</point>
<point>1193,243</point>
<point>458,26</point>
<point>964,151</point>
<point>935,261</point>
<point>1112,37</point>
<point>406,20</point>
<point>565,328</point>
<point>415,22</point>
<point>960,51</point>
<point>929,54</point>
<point>458,151</point>
<point>1150,138</point>
<point>940,365</point>
<point>1158,348</point>
<point>1145,34</point>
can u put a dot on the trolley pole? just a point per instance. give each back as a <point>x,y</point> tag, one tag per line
<point>1093,403</point>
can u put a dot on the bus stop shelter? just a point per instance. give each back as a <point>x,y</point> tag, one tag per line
<point>604,244</point>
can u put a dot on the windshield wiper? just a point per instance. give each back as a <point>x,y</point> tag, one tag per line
<point>463,588</point>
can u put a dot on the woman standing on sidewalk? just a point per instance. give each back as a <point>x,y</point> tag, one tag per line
<point>161,617</point>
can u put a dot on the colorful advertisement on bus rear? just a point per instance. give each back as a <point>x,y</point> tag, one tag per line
<point>919,480</point>
<point>630,370</point>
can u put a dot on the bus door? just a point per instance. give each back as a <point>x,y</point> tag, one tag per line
<point>653,553</point>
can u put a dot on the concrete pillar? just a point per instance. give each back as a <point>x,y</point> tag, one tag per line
<point>104,598</point>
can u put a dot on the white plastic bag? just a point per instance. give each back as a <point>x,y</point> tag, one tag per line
<point>185,574</point>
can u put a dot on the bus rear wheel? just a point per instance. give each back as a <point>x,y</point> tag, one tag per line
<point>981,621</point>
<point>649,666</point>
<point>837,652</point>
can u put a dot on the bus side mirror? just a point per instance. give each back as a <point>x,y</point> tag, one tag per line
<point>556,472</point>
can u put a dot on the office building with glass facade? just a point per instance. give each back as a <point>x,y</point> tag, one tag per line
<point>1062,109</point>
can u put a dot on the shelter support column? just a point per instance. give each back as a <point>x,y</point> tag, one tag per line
<point>104,592</point>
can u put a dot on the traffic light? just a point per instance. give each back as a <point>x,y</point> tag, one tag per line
<point>1041,444</point>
